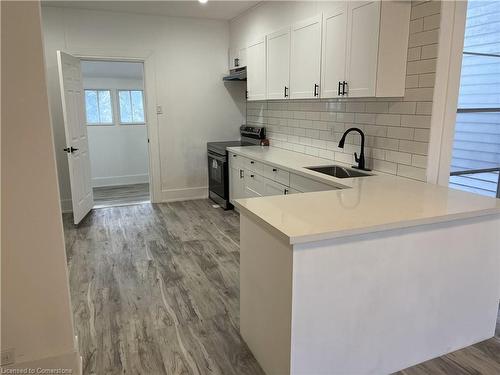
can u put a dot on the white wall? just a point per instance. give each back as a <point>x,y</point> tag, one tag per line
<point>190,58</point>
<point>118,153</point>
<point>36,307</point>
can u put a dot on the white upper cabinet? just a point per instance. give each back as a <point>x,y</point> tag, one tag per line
<point>278,64</point>
<point>355,49</point>
<point>237,57</point>
<point>377,45</point>
<point>305,59</point>
<point>242,57</point>
<point>256,70</point>
<point>363,23</point>
<point>334,52</point>
<point>232,56</point>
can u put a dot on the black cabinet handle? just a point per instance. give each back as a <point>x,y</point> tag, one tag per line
<point>285,192</point>
<point>344,86</point>
<point>246,94</point>
<point>252,175</point>
<point>234,155</point>
<point>275,170</point>
<point>286,92</point>
<point>338,91</point>
<point>316,86</point>
<point>251,162</point>
<point>241,173</point>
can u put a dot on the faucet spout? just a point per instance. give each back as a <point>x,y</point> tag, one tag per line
<point>361,159</point>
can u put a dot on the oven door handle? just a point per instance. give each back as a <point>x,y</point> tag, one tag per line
<point>217,157</point>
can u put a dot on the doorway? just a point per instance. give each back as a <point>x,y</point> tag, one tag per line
<point>115,117</point>
<point>107,100</point>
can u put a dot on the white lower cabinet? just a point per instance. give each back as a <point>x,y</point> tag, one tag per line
<point>249,178</point>
<point>254,183</point>
<point>274,188</point>
<point>236,182</point>
<point>305,184</point>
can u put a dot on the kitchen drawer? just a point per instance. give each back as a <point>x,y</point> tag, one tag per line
<point>250,193</point>
<point>236,161</point>
<point>274,188</point>
<point>254,181</point>
<point>306,184</point>
<point>276,174</point>
<point>253,165</point>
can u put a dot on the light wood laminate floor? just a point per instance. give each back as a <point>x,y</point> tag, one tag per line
<point>120,195</point>
<point>155,290</point>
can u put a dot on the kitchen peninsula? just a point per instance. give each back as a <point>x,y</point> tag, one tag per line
<point>374,276</point>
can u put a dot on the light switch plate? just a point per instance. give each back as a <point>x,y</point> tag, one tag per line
<point>159,110</point>
<point>8,357</point>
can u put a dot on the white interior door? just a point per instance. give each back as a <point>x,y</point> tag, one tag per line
<point>70,80</point>
<point>333,52</point>
<point>305,60</point>
<point>278,64</point>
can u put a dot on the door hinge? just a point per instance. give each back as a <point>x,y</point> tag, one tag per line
<point>70,150</point>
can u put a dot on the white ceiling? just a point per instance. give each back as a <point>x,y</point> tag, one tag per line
<point>112,69</point>
<point>221,10</point>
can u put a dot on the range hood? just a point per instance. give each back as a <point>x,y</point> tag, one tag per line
<point>236,74</point>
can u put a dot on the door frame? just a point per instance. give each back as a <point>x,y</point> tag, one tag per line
<point>145,57</point>
<point>446,90</point>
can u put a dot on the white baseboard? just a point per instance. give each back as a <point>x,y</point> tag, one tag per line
<point>120,180</point>
<point>170,195</point>
<point>71,361</point>
<point>173,195</point>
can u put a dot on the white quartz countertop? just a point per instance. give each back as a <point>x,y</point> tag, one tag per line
<point>362,205</point>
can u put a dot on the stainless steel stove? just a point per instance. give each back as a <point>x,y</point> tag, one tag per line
<point>218,170</point>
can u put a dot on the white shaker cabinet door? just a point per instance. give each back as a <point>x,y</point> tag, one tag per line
<point>278,64</point>
<point>363,23</point>
<point>236,183</point>
<point>305,59</point>
<point>256,70</point>
<point>242,57</point>
<point>334,52</point>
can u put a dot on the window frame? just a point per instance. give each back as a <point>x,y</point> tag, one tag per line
<point>130,99</point>
<point>111,102</point>
<point>478,109</point>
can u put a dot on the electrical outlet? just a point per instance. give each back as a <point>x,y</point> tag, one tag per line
<point>8,357</point>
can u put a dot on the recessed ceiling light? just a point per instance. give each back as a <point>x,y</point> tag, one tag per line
<point>203,1</point>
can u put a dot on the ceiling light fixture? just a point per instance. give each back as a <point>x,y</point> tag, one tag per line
<point>203,1</point>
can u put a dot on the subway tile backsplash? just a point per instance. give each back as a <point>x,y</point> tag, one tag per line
<point>397,129</point>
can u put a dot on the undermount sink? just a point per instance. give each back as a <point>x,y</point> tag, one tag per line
<point>338,171</point>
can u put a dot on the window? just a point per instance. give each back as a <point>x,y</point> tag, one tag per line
<point>98,107</point>
<point>475,162</point>
<point>131,106</point>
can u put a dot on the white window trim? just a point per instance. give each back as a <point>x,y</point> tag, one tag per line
<point>112,123</point>
<point>130,98</point>
<point>446,90</point>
